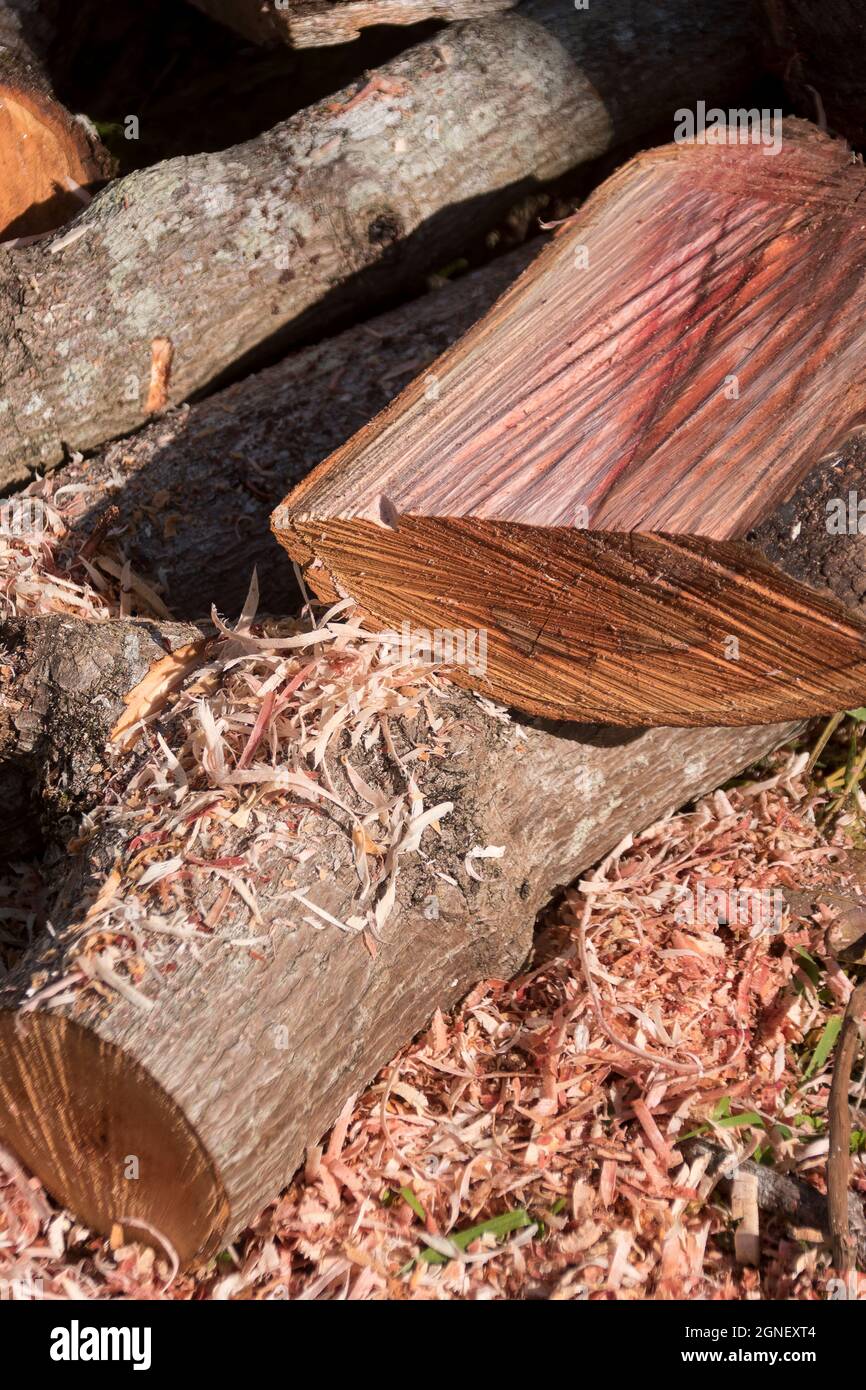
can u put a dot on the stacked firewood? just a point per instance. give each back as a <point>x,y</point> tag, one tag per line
<point>582,539</point>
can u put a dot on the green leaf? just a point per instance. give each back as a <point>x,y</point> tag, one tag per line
<point>857,713</point>
<point>412,1201</point>
<point>814,1122</point>
<point>746,1117</point>
<point>826,1043</point>
<point>723,1119</point>
<point>809,966</point>
<point>498,1226</point>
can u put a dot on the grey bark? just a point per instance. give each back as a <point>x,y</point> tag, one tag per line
<point>229,257</point>
<point>803,537</point>
<point>784,1195</point>
<point>62,684</point>
<point>195,488</point>
<point>316,23</point>
<point>25,33</point>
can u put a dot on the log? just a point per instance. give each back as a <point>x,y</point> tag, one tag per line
<point>194,489</point>
<point>62,688</point>
<point>169,1052</point>
<point>228,258</point>
<point>317,23</point>
<point>49,159</point>
<point>817,50</point>
<point>781,1194</point>
<point>616,475</point>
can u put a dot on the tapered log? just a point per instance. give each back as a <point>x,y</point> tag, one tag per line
<point>818,51</point>
<point>598,472</point>
<point>213,262</point>
<point>181,1107</point>
<point>48,158</point>
<point>317,23</point>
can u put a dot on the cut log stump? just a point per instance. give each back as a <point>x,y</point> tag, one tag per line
<point>230,257</point>
<point>318,23</point>
<point>599,474</point>
<point>173,1090</point>
<point>48,158</point>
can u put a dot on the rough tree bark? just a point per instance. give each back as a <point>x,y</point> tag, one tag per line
<point>47,156</point>
<point>193,490</point>
<point>316,23</point>
<point>800,1204</point>
<point>578,475</point>
<point>241,1058</point>
<point>60,676</point>
<point>180,272</point>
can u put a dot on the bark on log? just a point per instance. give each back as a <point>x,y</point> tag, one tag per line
<point>317,23</point>
<point>780,1194</point>
<point>580,478</point>
<point>48,158</point>
<point>62,686</point>
<point>184,1117</point>
<point>818,51</point>
<point>194,489</point>
<point>228,257</point>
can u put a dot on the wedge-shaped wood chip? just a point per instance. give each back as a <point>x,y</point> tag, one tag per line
<point>621,473</point>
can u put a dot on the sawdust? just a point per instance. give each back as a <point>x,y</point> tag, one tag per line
<point>549,1112</point>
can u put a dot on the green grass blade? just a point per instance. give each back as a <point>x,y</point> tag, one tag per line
<point>826,1043</point>
<point>498,1226</point>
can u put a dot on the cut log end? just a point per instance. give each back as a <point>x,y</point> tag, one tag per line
<point>625,628</point>
<point>104,1138</point>
<point>46,160</point>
